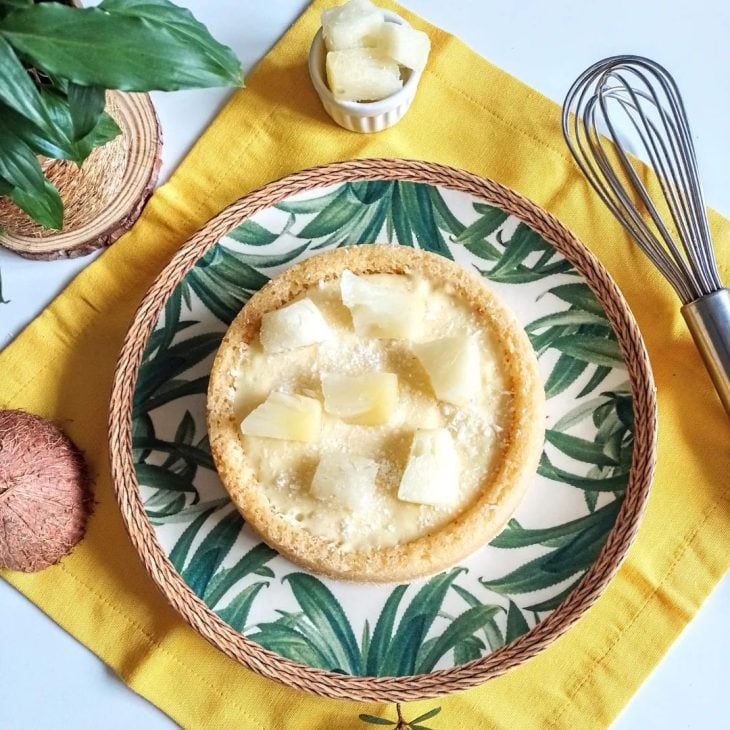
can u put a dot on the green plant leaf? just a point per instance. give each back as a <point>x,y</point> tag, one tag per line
<point>223,281</point>
<point>185,431</point>
<point>17,89</point>
<point>172,504</point>
<point>579,295</point>
<point>568,317</point>
<point>564,373</point>
<point>474,235</point>
<point>184,515</point>
<point>131,45</point>
<point>337,215</point>
<point>417,207</point>
<point>462,627</point>
<point>426,715</point>
<point>614,483</point>
<point>151,475</point>
<point>523,242</point>
<point>18,165</point>
<point>365,644</point>
<point>55,142</point>
<point>162,338</point>
<point>235,614</point>
<point>415,625</point>
<point>183,25</point>
<point>170,391</point>
<point>142,428</point>
<point>579,449</point>
<point>399,218</point>
<point>300,623</point>
<point>625,409</point>
<point>492,632</point>
<point>289,643</point>
<point>212,552</point>
<point>516,623</point>
<point>516,536</point>
<point>44,207</point>
<point>442,214</point>
<point>597,350</point>
<point>176,450</point>
<point>591,500</point>
<point>373,720</point>
<point>551,604</point>
<point>251,562</point>
<point>370,191</point>
<point>179,553</point>
<point>599,375</point>
<point>523,275</point>
<point>579,413</point>
<point>270,260</point>
<point>383,632</point>
<point>253,234</point>
<point>86,104</point>
<point>167,364</point>
<point>324,611</point>
<point>106,130</point>
<point>468,649</point>
<point>573,557</point>
<point>367,229</point>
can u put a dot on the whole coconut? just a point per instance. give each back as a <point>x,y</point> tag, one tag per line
<point>44,497</point>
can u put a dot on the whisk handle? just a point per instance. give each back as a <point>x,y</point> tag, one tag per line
<point>708,319</point>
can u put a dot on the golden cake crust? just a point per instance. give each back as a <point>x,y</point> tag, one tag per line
<point>503,486</point>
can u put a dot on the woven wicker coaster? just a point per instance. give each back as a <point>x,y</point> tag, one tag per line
<point>439,681</point>
<point>105,197</point>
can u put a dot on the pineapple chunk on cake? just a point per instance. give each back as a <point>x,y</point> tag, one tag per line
<point>346,479</point>
<point>362,74</point>
<point>351,25</point>
<point>297,325</point>
<point>405,45</point>
<point>431,475</point>
<point>381,310</point>
<point>453,367</point>
<point>285,416</point>
<point>365,400</point>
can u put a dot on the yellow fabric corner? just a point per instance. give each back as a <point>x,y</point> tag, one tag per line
<point>471,115</point>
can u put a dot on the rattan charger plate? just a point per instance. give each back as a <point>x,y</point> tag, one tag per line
<point>506,602</point>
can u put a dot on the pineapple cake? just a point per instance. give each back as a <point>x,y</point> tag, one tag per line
<point>376,413</point>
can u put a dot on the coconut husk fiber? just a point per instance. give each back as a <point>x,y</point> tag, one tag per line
<point>44,495</point>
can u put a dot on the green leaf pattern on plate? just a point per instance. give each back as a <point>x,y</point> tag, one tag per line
<point>463,613</point>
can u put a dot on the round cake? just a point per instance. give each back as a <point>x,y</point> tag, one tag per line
<point>376,413</point>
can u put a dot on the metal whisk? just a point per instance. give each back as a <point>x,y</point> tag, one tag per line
<point>639,91</point>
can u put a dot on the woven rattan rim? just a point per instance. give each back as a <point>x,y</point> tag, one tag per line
<point>443,681</point>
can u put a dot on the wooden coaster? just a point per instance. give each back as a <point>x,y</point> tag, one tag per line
<point>104,198</point>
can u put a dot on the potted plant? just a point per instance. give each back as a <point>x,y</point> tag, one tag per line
<point>57,63</point>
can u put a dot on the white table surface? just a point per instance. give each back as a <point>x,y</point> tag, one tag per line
<point>47,679</point>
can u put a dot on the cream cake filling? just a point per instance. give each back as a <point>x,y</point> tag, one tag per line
<point>285,468</point>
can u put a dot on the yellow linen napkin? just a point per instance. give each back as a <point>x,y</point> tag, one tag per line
<point>468,114</point>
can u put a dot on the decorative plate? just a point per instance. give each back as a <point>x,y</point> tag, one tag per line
<point>463,626</point>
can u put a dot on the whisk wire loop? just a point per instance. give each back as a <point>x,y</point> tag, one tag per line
<point>671,229</point>
<point>642,93</point>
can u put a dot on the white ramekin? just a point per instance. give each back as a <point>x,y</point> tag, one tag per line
<point>370,116</point>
